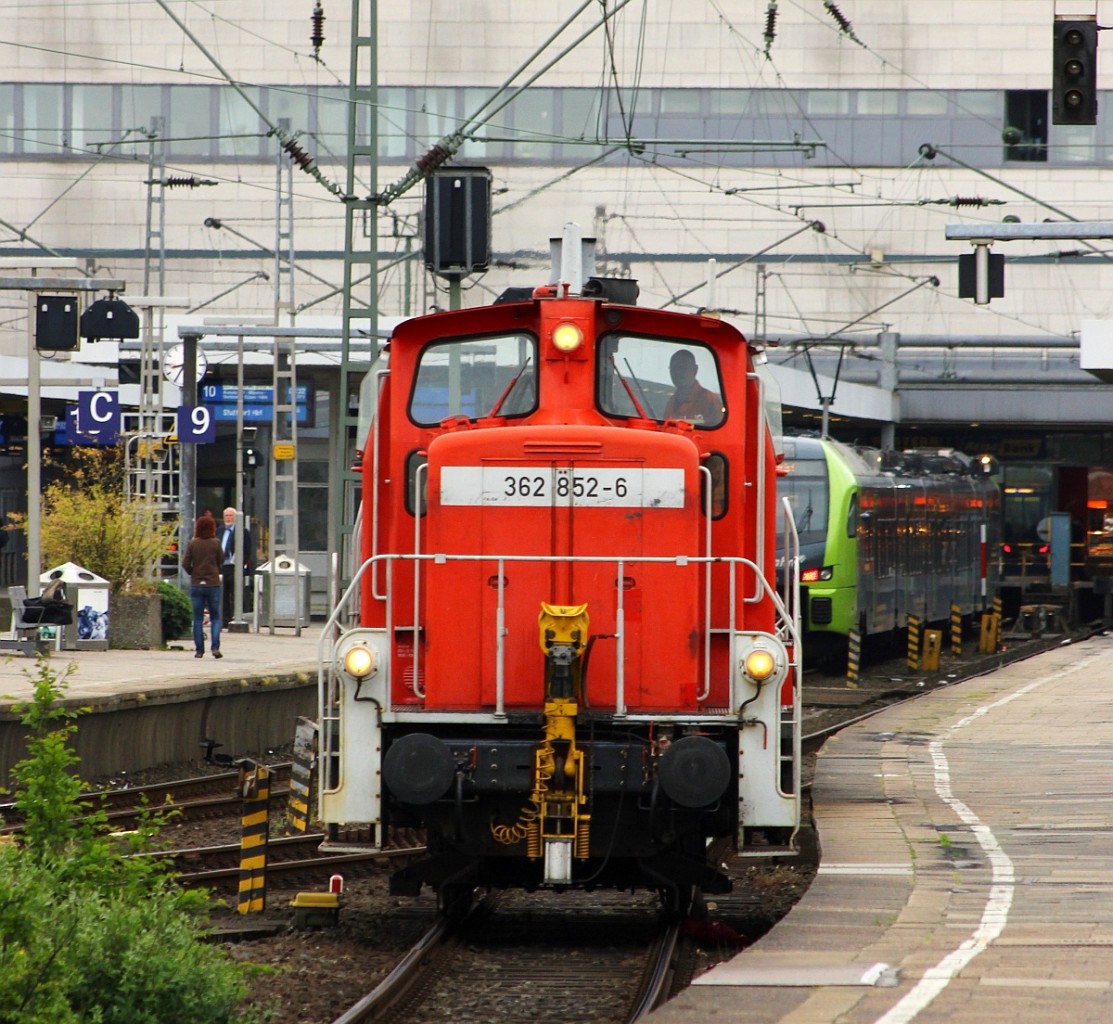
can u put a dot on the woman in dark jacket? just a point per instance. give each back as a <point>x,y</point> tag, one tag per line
<point>202,560</point>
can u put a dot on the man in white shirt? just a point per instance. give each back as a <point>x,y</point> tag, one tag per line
<point>227,537</point>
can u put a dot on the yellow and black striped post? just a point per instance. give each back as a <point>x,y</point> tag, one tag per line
<point>301,775</point>
<point>255,787</point>
<point>956,631</point>
<point>853,657</point>
<point>914,624</point>
<point>990,638</point>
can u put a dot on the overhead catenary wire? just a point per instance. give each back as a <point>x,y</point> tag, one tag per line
<point>289,142</point>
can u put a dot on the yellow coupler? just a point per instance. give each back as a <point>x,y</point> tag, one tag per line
<point>316,909</point>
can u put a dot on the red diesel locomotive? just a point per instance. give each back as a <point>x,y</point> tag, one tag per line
<point>568,660</point>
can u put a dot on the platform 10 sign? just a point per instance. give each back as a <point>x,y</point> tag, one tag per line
<point>195,425</point>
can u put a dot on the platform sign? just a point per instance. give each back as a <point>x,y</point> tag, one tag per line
<point>258,402</point>
<point>196,425</point>
<point>98,415</point>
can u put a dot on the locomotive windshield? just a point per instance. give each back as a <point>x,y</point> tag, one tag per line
<point>658,379</point>
<point>475,377</point>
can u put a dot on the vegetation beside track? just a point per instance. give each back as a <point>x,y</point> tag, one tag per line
<point>89,933</point>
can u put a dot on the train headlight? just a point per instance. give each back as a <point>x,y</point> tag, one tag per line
<point>567,337</point>
<point>759,665</point>
<point>360,661</point>
<point>761,659</point>
<point>361,654</point>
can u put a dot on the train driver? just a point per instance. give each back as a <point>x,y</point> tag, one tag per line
<point>691,401</point>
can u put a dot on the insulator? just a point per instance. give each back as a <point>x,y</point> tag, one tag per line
<point>433,159</point>
<point>317,36</point>
<point>838,15</point>
<point>298,155</point>
<point>186,182</point>
<point>967,201</point>
<point>770,25</point>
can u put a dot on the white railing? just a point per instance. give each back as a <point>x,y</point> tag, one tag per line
<point>786,608</point>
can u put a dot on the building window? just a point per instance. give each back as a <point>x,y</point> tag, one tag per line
<point>878,102</point>
<point>42,119</point>
<point>1026,122</point>
<point>312,505</point>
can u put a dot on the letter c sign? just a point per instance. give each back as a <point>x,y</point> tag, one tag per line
<point>98,414</point>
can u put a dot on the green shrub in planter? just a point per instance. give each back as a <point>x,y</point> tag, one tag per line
<point>177,612</point>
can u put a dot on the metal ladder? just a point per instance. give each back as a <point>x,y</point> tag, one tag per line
<point>283,520</point>
<point>361,284</point>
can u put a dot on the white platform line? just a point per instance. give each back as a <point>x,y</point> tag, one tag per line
<point>997,907</point>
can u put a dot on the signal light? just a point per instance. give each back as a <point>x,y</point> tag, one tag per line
<point>1074,72</point>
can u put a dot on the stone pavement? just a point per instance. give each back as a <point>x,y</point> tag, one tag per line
<point>98,675</point>
<point>966,865</point>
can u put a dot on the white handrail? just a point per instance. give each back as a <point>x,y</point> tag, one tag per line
<point>787,612</point>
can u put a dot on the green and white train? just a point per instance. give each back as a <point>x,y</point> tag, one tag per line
<point>885,535</point>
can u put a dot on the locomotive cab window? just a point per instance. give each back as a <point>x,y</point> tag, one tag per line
<point>475,377</point>
<point>659,379</point>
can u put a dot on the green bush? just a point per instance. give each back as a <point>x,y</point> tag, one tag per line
<point>177,612</point>
<point>88,934</point>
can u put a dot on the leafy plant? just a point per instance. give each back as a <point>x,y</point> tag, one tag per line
<point>88,934</point>
<point>177,612</point>
<point>88,518</point>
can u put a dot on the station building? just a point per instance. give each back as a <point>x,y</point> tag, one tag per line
<point>794,165</point>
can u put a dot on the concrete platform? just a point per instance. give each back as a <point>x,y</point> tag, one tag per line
<point>155,706</point>
<point>967,865</point>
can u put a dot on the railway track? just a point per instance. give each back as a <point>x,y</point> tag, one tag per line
<point>292,861</point>
<point>532,958</point>
<point>193,799</point>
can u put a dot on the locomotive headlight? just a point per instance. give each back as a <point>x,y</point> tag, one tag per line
<point>759,665</point>
<point>361,654</point>
<point>761,659</point>
<point>360,661</point>
<point>567,337</point>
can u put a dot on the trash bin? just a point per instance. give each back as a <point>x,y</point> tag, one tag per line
<point>88,593</point>
<point>291,582</point>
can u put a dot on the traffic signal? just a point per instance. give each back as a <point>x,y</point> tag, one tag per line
<point>1074,79</point>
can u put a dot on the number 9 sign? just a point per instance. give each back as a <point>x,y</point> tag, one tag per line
<point>195,425</point>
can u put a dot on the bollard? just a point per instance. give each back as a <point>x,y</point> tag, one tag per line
<point>956,631</point>
<point>255,787</point>
<point>933,641</point>
<point>853,658</point>
<point>914,624</point>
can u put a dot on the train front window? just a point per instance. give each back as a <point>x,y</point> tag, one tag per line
<point>658,379</point>
<point>475,377</point>
<point>805,487</point>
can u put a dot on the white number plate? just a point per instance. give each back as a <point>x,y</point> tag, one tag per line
<point>543,485</point>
